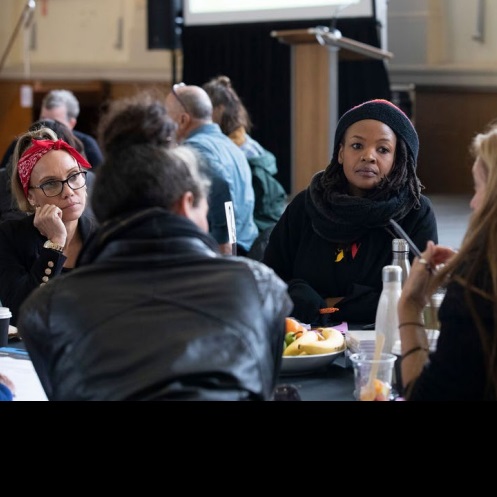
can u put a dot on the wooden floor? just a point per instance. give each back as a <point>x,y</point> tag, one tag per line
<point>452,213</point>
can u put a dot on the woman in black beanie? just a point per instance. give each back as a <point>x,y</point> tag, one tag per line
<point>333,240</point>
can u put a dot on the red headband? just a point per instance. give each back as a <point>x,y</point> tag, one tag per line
<point>34,153</point>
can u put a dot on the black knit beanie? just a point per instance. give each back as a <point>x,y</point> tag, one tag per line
<point>386,112</point>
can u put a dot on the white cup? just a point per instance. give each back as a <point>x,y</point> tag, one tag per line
<point>5,316</point>
<point>5,313</point>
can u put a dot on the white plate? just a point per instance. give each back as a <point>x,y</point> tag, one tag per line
<point>305,364</point>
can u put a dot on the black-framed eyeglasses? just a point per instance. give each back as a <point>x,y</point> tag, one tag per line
<point>175,93</point>
<point>54,187</point>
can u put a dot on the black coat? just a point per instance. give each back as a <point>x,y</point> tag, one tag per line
<point>456,370</point>
<point>92,150</point>
<point>153,312</point>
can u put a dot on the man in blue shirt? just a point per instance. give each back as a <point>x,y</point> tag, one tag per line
<point>191,108</point>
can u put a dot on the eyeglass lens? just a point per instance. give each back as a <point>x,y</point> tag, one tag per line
<point>55,187</point>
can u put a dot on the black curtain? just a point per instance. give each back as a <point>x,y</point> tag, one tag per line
<point>259,68</point>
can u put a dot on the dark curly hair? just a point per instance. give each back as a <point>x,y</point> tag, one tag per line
<point>139,119</point>
<point>142,166</point>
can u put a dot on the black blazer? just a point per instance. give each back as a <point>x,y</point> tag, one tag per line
<point>92,150</point>
<point>25,264</point>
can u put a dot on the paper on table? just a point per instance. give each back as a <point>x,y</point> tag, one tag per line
<point>24,377</point>
<point>230,219</point>
<point>361,340</point>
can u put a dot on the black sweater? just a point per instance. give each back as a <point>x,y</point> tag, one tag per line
<point>315,269</point>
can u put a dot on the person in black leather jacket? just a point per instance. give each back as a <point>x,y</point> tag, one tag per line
<point>154,311</point>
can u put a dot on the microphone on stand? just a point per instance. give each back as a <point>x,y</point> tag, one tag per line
<point>25,19</point>
<point>29,11</point>
<point>334,18</point>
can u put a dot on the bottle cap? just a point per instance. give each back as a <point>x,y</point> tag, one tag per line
<point>391,273</point>
<point>400,245</point>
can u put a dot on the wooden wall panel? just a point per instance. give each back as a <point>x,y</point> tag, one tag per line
<point>446,120</point>
<point>127,89</point>
<point>92,96</point>
<point>14,119</point>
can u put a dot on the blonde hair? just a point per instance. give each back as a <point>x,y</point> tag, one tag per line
<point>477,256</point>
<point>23,143</point>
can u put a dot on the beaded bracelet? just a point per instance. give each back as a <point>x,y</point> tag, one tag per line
<point>414,349</point>
<point>411,323</point>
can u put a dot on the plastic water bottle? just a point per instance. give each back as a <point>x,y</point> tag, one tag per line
<point>400,257</point>
<point>387,320</point>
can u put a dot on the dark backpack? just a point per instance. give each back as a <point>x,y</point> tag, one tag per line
<point>270,196</point>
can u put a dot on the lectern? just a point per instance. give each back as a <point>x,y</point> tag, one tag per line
<point>314,94</point>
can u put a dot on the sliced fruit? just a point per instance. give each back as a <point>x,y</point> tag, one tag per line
<point>293,325</point>
<point>307,338</point>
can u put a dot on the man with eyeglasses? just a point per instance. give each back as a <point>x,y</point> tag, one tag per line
<point>49,183</point>
<point>191,109</point>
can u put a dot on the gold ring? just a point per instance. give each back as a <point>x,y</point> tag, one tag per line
<point>422,260</point>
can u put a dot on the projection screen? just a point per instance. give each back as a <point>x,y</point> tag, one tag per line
<point>196,12</point>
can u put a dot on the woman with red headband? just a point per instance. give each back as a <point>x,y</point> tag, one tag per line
<point>50,184</point>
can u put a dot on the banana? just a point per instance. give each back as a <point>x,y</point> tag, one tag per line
<point>307,338</point>
<point>333,341</point>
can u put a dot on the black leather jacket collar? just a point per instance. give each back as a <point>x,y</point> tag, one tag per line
<point>156,227</point>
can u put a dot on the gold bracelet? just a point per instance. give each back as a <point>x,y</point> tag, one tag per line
<point>411,323</point>
<point>53,246</point>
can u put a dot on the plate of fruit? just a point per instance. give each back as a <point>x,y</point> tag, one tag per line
<point>307,350</point>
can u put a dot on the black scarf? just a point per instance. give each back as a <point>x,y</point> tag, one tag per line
<point>343,218</point>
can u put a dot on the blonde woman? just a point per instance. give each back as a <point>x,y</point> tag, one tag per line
<point>464,365</point>
<point>49,184</point>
